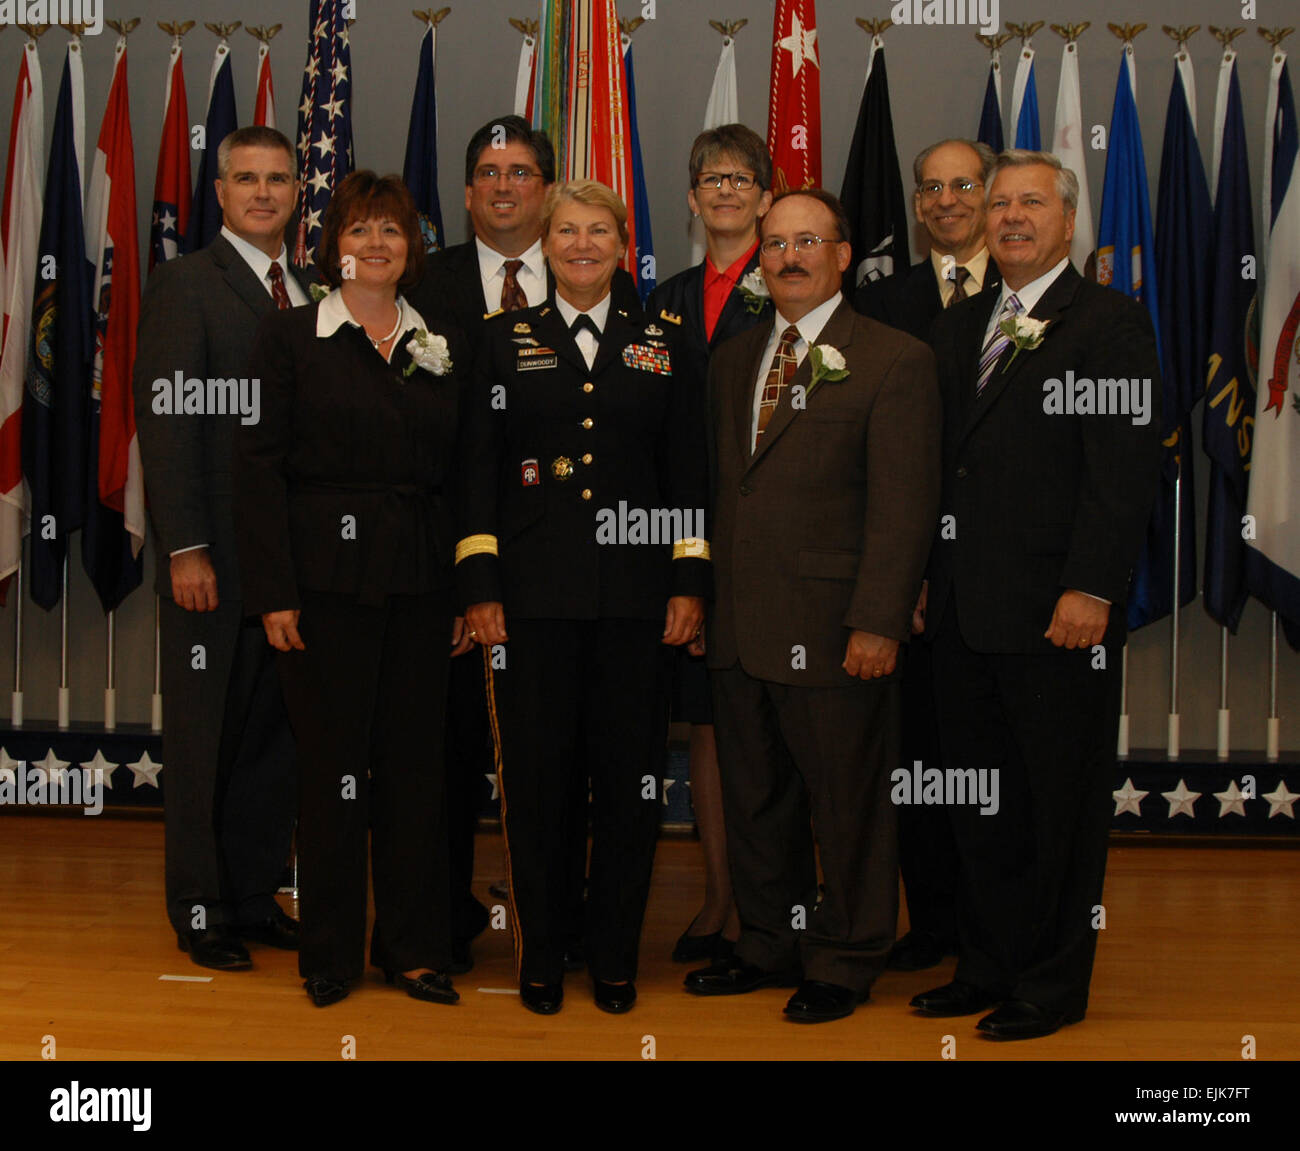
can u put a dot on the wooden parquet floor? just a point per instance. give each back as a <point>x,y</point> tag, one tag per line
<point>1201,948</point>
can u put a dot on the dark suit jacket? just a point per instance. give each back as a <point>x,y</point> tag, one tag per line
<point>1042,502</point>
<point>453,284</point>
<point>344,434</point>
<point>910,300</point>
<point>825,528</point>
<point>199,316</point>
<point>644,447</point>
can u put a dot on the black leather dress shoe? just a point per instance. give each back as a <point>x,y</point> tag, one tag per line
<point>276,930</point>
<point>615,998</point>
<point>735,977</point>
<point>955,998</point>
<point>323,992</point>
<point>544,998</point>
<point>432,986</point>
<point>1019,1019</point>
<point>818,1002</point>
<point>216,948</point>
<point>916,951</point>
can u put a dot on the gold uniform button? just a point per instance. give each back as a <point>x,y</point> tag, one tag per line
<point>589,423</point>
<point>587,458</point>
<point>586,493</point>
<point>588,387</point>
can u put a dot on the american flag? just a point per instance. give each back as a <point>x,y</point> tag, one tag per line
<point>324,121</point>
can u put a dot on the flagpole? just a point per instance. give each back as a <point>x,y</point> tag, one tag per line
<point>1224,715</point>
<point>16,696</point>
<point>110,685</point>
<point>1274,720</point>
<point>156,710</point>
<point>65,695</point>
<point>1122,746</point>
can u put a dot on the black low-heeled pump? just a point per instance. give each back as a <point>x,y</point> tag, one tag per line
<point>323,991</point>
<point>432,986</point>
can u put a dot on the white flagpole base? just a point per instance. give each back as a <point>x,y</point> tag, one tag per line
<point>1174,740</point>
<point>1274,736</point>
<point>16,708</point>
<point>65,708</point>
<point>155,715</point>
<point>110,709</point>
<point>1122,751</point>
<point>1225,718</point>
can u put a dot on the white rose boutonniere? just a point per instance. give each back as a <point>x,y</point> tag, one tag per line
<point>1024,333</point>
<point>428,352</point>
<point>754,288</point>
<point>827,364</point>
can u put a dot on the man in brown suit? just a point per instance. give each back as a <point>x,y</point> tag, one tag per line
<point>827,492</point>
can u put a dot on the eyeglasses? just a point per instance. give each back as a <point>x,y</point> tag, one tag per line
<point>932,189</point>
<point>741,181</point>
<point>490,175</point>
<point>805,243</point>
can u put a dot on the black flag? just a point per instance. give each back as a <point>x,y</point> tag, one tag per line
<point>873,190</point>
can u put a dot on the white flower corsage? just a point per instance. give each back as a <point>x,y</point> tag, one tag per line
<point>428,352</point>
<point>754,288</point>
<point>1024,333</point>
<point>828,364</point>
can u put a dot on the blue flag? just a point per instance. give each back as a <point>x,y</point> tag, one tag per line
<point>990,129</point>
<point>420,169</point>
<point>60,355</point>
<point>1126,262</point>
<point>1230,373</point>
<point>1028,132</point>
<point>645,247</point>
<point>1183,223</point>
<point>205,217</point>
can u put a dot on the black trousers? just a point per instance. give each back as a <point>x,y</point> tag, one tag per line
<point>367,701</point>
<point>580,696</point>
<point>785,753</point>
<point>469,762</point>
<point>927,851</point>
<point>229,768</point>
<point>1032,874</point>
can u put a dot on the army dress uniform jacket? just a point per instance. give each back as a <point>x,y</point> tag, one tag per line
<point>557,461</point>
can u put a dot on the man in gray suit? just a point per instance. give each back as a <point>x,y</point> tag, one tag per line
<point>827,426</point>
<point>229,799</point>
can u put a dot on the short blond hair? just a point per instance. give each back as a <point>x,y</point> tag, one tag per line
<point>590,192</point>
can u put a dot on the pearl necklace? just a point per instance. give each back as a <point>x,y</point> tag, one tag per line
<point>385,339</point>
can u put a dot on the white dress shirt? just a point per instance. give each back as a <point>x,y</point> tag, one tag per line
<point>492,269</point>
<point>977,266</point>
<point>333,313</point>
<point>1028,296</point>
<point>587,343</point>
<point>261,263</point>
<point>810,327</point>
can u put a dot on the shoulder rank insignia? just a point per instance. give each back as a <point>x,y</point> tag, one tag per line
<point>652,330</point>
<point>545,311</point>
<point>672,319</point>
<point>522,329</point>
<point>622,313</point>
<point>489,315</point>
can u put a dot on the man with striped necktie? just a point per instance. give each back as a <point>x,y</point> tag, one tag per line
<point>827,427</point>
<point>1045,503</point>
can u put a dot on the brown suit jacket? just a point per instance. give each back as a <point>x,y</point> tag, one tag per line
<point>826,528</point>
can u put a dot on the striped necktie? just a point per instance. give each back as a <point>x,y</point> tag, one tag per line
<point>997,343</point>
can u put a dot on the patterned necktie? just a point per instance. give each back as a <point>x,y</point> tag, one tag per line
<point>512,295</point>
<point>997,343</point>
<point>959,285</point>
<point>279,293</point>
<point>783,367</point>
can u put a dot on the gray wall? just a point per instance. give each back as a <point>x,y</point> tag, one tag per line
<point>937,80</point>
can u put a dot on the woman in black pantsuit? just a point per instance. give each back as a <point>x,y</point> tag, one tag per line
<point>345,544</point>
<point>578,416</point>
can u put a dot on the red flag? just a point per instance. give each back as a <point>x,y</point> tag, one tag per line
<point>794,113</point>
<point>264,108</point>
<point>600,131</point>
<point>111,238</point>
<point>20,227</point>
<point>171,185</point>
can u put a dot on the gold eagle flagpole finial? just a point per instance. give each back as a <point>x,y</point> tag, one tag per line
<point>1070,33</point>
<point>874,28</point>
<point>123,27</point>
